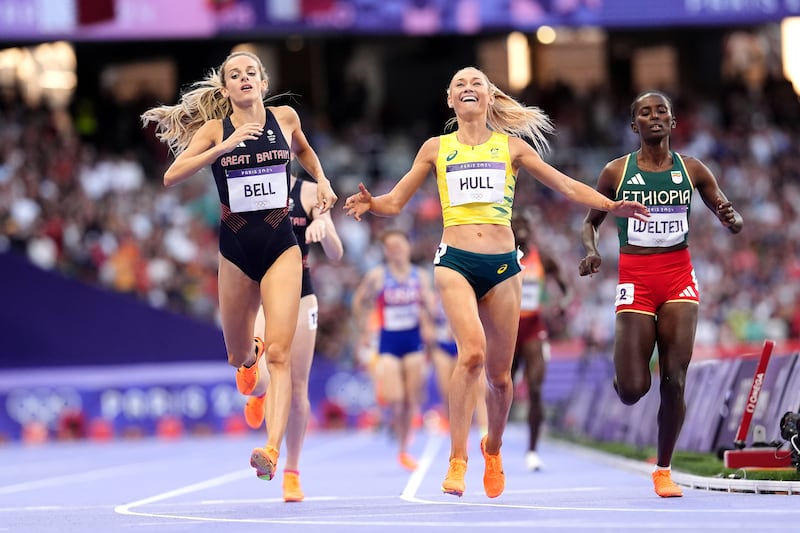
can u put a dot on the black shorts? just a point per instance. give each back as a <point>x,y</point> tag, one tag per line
<point>308,287</point>
<point>255,245</point>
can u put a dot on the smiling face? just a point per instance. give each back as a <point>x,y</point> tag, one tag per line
<point>651,116</point>
<point>244,78</point>
<point>470,92</point>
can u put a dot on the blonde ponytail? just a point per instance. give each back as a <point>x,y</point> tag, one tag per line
<point>506,115</point>
<point>509,116</point>
<point>177,124</point>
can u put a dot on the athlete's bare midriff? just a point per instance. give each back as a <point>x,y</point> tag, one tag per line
<point>650,250</point>
<point>480,238</point>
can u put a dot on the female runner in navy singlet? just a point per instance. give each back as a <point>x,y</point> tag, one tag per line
<point>223,122</point>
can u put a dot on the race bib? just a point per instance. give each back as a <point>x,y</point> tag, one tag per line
<point>440,251</point>
<point>531,295</point>
<point>313,318</point>
<point>625,294</point>
<point>667,226</point>
<point>400,317</point>
<point>479,182</point>
<point>256,189</point>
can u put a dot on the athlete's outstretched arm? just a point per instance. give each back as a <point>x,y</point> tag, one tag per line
<point>391,203</point>
<point>523,155</point>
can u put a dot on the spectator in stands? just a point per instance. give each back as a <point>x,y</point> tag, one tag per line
<point>310,226</point>
<point>657,294</point>
<point>476,263</point>
<point>532,350</point>
<point>224,122</point>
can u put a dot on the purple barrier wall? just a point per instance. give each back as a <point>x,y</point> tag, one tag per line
<point>763,421</point>
<point>716,394</point>
<point>611,417</point>
<point>695,418</point>
<point>784,396</point>
<point>643,426</point>
<point>48,320</point>
<point>129,399</point>
<point>583,402</point>
<point>709,397</point>
<point>559,380</point>
<point>133,400</point>
<point>578,411</point>
<point>791,397</point>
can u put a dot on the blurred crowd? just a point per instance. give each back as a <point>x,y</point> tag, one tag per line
<point>98,212</point>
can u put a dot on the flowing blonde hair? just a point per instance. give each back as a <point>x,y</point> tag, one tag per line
<point>507,115</point>
<point>176,124</point>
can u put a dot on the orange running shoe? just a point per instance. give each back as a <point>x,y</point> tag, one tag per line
<point>454,480</point>
<point>265,461</point>
<point>494,479</point>
<point>291,486</point>
<point>254,411</point>
<point>665,487</point>
<point>407,461</point>
<point>247,376</point>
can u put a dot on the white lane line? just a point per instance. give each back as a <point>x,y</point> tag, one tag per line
<point>213,482</point>
<point>432,446</point>
<point>127,509</point>
<point>377,517</point>
<point>69,479</point>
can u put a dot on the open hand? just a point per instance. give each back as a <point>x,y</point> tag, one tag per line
<point>630,209</point>
<point>359,203</point>
<point>246,132</point>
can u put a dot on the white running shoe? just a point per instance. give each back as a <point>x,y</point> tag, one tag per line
<point>532,461</point>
